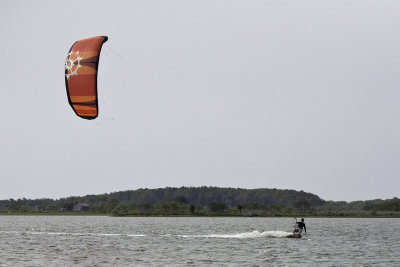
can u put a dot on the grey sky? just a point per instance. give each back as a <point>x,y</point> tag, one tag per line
<point>279,94</point>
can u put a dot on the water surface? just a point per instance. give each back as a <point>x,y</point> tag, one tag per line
<point>183,241</point>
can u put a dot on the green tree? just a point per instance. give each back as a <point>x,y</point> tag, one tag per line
<point>180,199</point>
<point>111,204</point>
<point>120,210</point>
<point>192,208</point>
<point>169,208</point>
<point>239,207</point>
<point>144,208</point>
<point>23,208</point>
<point>68,206</point>
<point>302,205</point>
<point>14,206</point>
<point>216,206</point>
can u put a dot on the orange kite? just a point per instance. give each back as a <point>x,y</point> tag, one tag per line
<point>81,76</point>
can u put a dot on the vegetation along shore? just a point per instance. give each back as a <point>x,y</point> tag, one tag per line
<point>202,201</point>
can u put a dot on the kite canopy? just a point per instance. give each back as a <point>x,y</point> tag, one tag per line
<point>81,67</point>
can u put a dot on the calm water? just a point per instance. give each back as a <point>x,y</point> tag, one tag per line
<point>107,241</point>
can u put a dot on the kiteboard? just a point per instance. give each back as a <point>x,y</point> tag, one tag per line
<point>295,235</point>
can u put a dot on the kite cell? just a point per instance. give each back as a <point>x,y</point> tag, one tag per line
<point>81,67</point>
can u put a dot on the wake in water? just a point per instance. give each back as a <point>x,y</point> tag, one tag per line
<point>254,234</point>
<point>68,234</point>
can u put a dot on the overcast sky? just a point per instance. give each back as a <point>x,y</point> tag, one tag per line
<point>294,94</point>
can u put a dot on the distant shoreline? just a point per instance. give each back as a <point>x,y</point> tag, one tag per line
<point>397,215</point>
<point>204,202</point>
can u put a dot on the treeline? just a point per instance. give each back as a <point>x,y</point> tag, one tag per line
<point>206,201</point>
<point>376,207</point>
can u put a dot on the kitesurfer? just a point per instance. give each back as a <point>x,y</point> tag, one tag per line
<point>299,227</point>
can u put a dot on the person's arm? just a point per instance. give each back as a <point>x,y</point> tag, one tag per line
<point>305,230</point>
